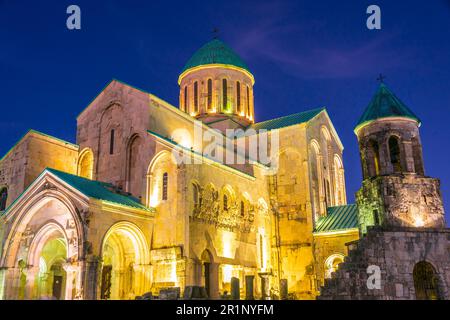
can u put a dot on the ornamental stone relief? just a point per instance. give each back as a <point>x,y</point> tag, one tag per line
<point>210,211</point>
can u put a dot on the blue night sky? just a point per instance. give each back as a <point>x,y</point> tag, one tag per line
<point>304,54</point>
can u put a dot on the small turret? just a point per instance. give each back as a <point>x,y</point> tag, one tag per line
<point>395,191</point>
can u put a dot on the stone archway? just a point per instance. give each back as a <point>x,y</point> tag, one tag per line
<point>426,281</point>
<point>49,251</point>
<point>125,269</point>
<point>210,274</point>
<point>46,233</point>
<point>332,264</point>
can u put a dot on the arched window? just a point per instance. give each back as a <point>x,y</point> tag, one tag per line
<point>248,101</point>
<point>371,160</point>
<point>238,96</point>
<point>339,181</point>
<point>209,94</point>
<point>165,182</point>
<point>196,96</point>
<point>425,281</point>
<point>186,98</point>
<point>133,165</point>
<point>111,142</point>
<point>327,193</point>
<point>317,182</point>
<point>394,153</point>
<point>3,198</point>
<point>224,94</point>
<point>196,195</point>
<point>242,209</point>
<point>225,202</point>
<point>86,164</point>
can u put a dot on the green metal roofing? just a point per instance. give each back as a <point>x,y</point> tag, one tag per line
<point>339,218</point>
<point>287,121</point>
<point>215,52</point>
<point>385,104</point>
<point>98,190</point>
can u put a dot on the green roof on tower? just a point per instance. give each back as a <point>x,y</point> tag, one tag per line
<point>385,105</point>
<point>215,52</point>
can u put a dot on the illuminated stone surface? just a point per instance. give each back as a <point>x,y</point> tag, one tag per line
<point>194,226</point>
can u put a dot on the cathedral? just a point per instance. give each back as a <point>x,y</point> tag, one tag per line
<point>157,201</point>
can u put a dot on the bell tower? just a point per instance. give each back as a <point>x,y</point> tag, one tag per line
<point>216,87</point>
<point>395,191</point>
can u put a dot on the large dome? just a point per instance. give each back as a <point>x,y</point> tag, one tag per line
<point>215,52</point>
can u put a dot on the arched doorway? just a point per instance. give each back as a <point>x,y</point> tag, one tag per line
<point>210,275</point>
<point>332,264</point>
<point>46,244</point>
<point>426,282</point>
<point>49,253</point>
<point>125,255</point>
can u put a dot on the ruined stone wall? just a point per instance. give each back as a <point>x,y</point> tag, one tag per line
<point>404,200</point>
<point>30,156</point>
<point>396,253</point>
<point>327,245</point>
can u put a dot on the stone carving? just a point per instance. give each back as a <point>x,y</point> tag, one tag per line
<point>49,186</point>
<point>27,237</point>
<point>209,210</point>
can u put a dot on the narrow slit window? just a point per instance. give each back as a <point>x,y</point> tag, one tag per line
<point>248,101</point>
<point>185,98</point>
<point>111,142</point>
<point>225,202</point>
<point>165,185</point>
<point>238,96</point>
<point>209,94</point>
<point>224,94</point>
<point>196,96</point>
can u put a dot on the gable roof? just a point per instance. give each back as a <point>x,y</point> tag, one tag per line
<point>338,219</point>
<point>286,121</point>
<point>384,105</point>
<point>98,190</point>
<point>215,52</point>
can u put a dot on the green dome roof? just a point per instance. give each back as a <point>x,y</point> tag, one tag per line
<point>215,52</point>
<point>384,105</point>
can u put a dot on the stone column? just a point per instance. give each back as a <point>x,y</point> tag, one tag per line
<point>249,287</point>
<point>30,290</point>
<point>72,271</point>
<point>11,283</point>
<point>91,287</point>
<point>265,286</point>
<point>283,289</point>
<point>235,290</point>
<point>214,280</point>
<point>2,283</point>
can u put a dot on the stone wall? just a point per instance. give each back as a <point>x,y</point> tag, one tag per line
<point>395,252</point>
<point>30,156</point>
<point>330,244</point>
<point>406,200</point>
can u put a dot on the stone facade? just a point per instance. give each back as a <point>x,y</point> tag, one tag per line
<point>30,156</point>
<point>269,239</point>
<point>395,253</point>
